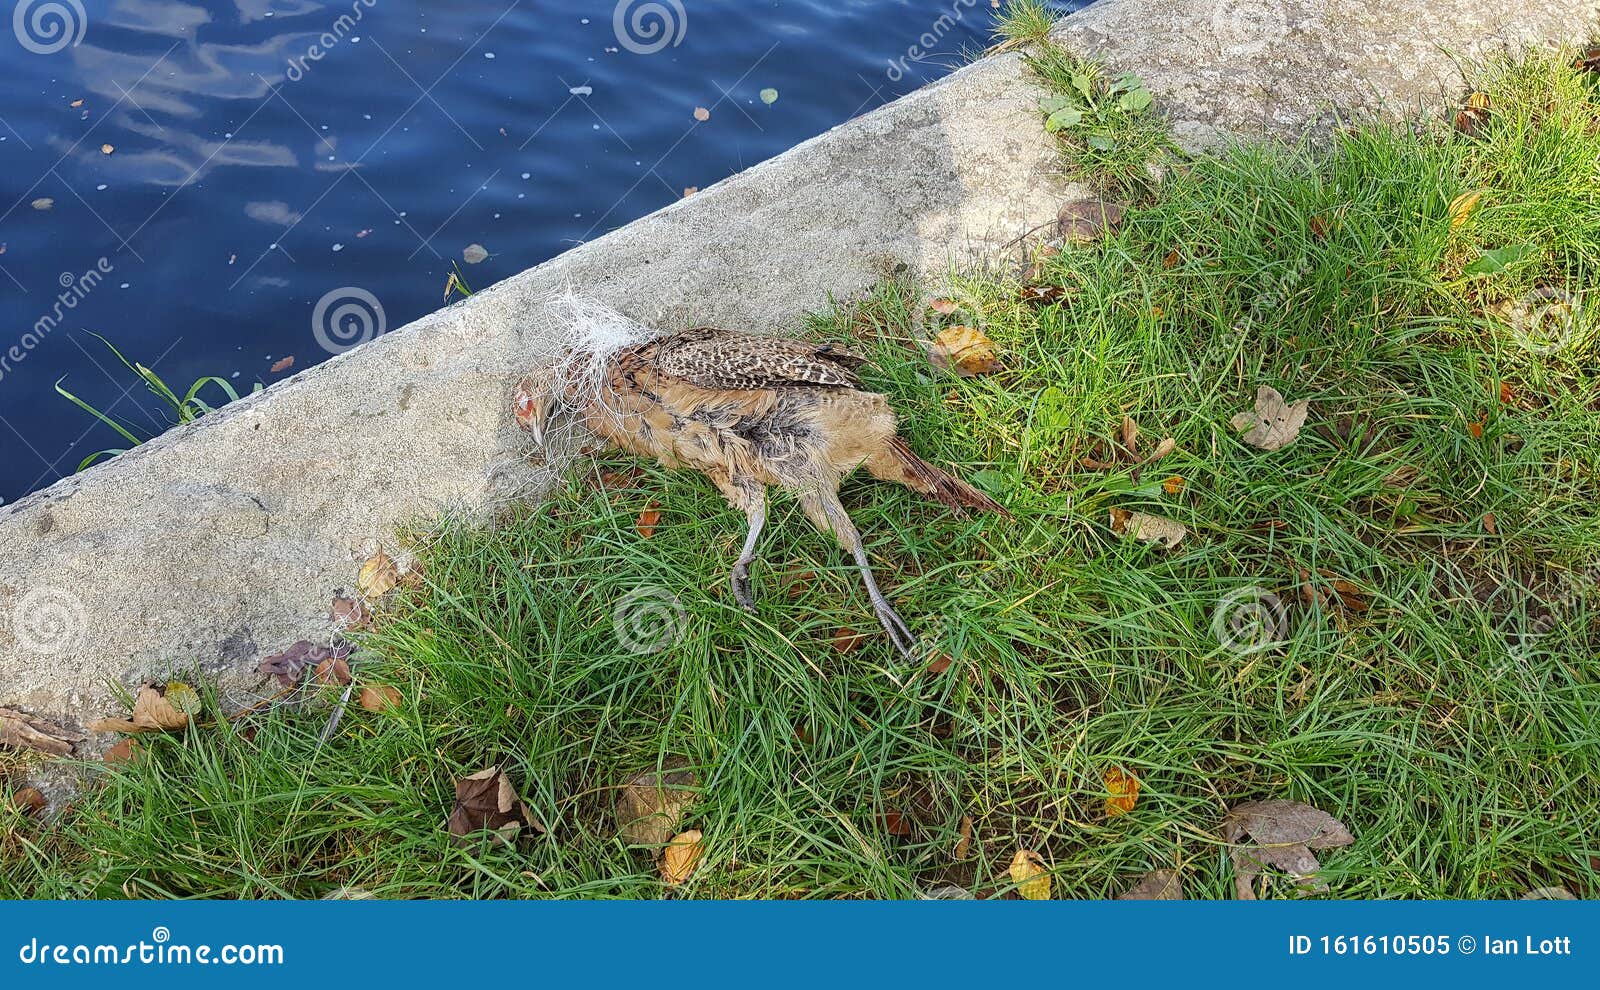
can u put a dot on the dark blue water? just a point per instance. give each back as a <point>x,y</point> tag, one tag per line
<point>191,180</point>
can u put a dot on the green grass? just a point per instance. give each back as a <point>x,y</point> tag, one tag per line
<point>1024,21</point>
<point>1454,725</point>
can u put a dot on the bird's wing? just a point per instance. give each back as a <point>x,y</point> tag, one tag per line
<point>720,359</point>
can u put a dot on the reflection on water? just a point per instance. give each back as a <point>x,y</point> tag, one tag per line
<point>191,181</point>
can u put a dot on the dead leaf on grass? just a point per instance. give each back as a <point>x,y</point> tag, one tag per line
<point>379,697</point>
<point>964,840</point>
<point>1273,423</point>
<point>1031,875</point>
<point>122,751</point>
<point>651,806</point>
<point>350,614</point>
<point>1284,833</point>
<point>1332,590</point>
<point>378,577</point>
<point>486,801</point>
<point>1085,220</point>
<point>22,731</point>
<point>289,665</point>
<point>964,350</point>
<point>1462,206</point>
<point>1122,788</point>
<point>29,800</point>
<point>682,855</point>
<point>1157,885</point>
<point>1147,528</point>
<point>648,520</point>
<point>157,708</point>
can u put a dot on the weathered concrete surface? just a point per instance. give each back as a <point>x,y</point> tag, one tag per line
<point>1283,68</point>
<point>226,539</point>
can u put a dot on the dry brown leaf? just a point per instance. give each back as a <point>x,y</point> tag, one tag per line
<point>648,520</point>
<point>1032,877</point>
<point>1273,423</point>
<point>651,806</point>
<point>1336,591</point>
<point>1128,434</point>
<point>379,697</point>
<point>122,751</point>
<point>1084,220</point>
<point>964,350</point>
<point>165,707</point>
<point>334,672</point>
<point>847,640</point>
<point>486,801</point>
<point>1474,114</point>
<point>283,364</point>
<point>22,731</point>
<point>895,822</point>
<point>690,191</point>
<point>378,577</point>
<point>1173,485</point>
<point>1147,528</point>
<point>940,664</point>
<point>1122,788</point>
<point>702,114</point>
<point>291,664</point>
<point>1490,525</point>
<point>1157,885</point>
<point>106,149</point>
<point>350,614</point>
<point>964,840</point>
<point>682,855</point>
<point>29,800</point>
<point>1285,833</point>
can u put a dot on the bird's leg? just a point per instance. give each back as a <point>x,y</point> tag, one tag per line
<point>756,510</point>
<point>824,509</point>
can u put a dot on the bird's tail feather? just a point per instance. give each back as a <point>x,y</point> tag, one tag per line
<point>901,464</point>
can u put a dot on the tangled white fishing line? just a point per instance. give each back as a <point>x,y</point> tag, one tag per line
<point>594,332</point>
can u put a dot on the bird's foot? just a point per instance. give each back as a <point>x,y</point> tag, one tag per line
<point>740,580</point>
<point>895,626</point>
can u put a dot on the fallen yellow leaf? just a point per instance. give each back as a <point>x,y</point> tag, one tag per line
<point>682,855</point>
<point>1123,788</point>
<point>378,577</point>
<point>964,350</point>
<point>1461,207</point>
<point>1030,875</point>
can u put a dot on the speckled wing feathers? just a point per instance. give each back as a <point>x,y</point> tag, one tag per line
<point>719,359</point>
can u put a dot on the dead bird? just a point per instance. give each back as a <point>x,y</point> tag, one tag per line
<point>749,412</point>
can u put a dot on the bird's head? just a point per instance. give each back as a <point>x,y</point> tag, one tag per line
<point>534,402</point>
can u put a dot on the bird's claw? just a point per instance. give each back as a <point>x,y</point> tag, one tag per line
<point>895,626</point>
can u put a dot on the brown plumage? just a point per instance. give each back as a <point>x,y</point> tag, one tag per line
<point>751,412</point>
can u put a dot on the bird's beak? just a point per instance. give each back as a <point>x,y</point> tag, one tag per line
<point>530,409</point>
